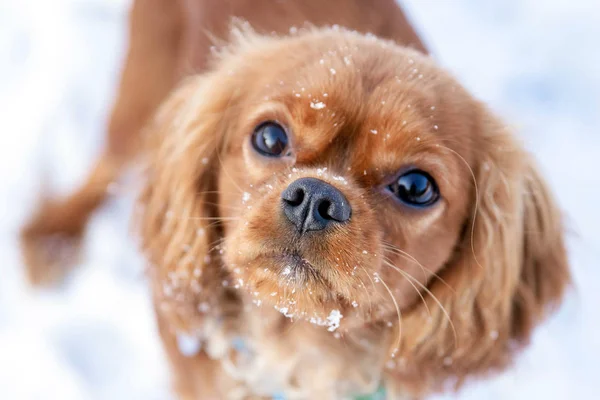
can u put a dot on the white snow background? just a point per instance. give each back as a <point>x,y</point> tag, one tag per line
<point>536,62</point>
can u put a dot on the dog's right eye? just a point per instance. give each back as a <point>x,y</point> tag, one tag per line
<point>270,139</point>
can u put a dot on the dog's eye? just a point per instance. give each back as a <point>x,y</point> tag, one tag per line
<point>270,139</point>
<point>415,188</point>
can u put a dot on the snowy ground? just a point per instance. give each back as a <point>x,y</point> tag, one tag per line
<point>537,62</point>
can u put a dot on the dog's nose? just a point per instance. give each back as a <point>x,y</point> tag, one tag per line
<point>312,204</point>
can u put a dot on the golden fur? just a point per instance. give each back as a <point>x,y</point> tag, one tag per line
<point>424,298</point>
<point>470,278</point>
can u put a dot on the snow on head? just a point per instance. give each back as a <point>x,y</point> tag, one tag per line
<point>319,105</point>
<point>245,197</point>
<point>333,320</point>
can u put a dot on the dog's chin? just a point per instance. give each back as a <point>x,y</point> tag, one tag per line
<point>293,284</point>
<point>295,271</point>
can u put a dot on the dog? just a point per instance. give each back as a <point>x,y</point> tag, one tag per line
<point>326,213</point>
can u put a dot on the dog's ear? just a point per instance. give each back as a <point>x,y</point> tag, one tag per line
<point>177,216</point>
<point>509,271</point>
<point>544,269</point>
<point>517,237</point>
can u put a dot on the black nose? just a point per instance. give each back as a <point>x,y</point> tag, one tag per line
<point>312,205</point>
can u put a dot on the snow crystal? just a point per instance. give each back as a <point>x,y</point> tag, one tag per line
<point>376,277</point>
<point>285,311</point>
<point>340,179</point>
<point>188,345</point>
<point>333,320</point>
<point>245,197</point>
<point>203,307</point>
<point>319,105</point>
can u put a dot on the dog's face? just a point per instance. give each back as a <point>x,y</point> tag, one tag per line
<point>345,178</point>
<point>347,181</point>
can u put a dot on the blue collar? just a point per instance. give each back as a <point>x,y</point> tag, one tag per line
<point>379,394</point>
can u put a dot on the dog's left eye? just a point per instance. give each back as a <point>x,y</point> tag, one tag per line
<point>270,139</point>
<point>415,188</point>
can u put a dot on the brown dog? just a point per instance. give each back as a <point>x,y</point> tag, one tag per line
<point>168,40</point>
<point>325,212</point>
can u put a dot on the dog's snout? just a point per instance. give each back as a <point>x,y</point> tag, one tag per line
<point>312,204</point>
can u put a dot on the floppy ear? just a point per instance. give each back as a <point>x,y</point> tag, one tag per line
<point>544,271</point>
<point>518,238</point>
<point>177,216</point>
<point>509,271</point>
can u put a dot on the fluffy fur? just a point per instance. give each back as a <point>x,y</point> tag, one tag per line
<point>416,300</point>
<point>427,297</point>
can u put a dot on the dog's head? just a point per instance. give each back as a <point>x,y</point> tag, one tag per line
<point>345,181</point>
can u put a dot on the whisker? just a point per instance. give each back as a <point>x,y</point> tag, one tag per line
<point>209,218</point>
<point>396,250</point>
<point>236,208</point>
<point>389,264</point>
<point>439,303</point>
<point>215,247</point>
<point>368,295</point>
<point>215,192</point>
<point>398,341</point>
<point>406,255</point>
<point>368,276</point>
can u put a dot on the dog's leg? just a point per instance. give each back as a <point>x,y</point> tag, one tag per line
<point>51,237</point>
